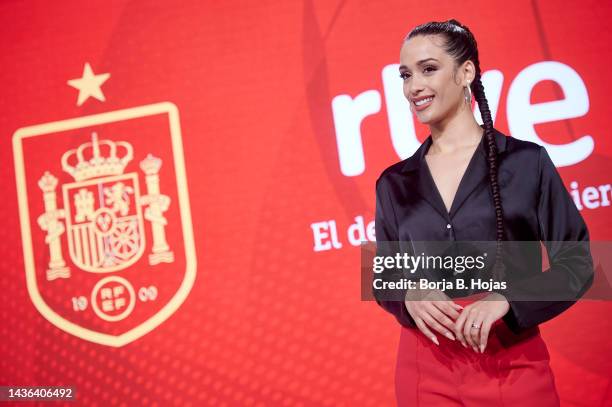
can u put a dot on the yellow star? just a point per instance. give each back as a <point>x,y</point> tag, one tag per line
<point>89,85</point>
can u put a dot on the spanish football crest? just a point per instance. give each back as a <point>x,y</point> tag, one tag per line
<point>105,220</point>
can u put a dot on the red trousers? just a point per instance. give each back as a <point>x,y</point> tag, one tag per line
<point>514,370</point>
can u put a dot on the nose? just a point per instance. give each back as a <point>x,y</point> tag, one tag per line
<point>415,86</point>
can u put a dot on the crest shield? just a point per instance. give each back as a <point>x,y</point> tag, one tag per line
<point>104,223</point>
<point>105,220</point>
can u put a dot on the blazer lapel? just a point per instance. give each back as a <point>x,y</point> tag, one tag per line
<point>426,187</point>
<point>475,173</point>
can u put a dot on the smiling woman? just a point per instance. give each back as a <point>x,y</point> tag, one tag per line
<point>457,186</point>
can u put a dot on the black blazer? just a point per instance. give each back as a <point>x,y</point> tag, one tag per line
<point>536,207</point>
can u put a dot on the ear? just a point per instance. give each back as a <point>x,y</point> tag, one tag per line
<point>468,71</point>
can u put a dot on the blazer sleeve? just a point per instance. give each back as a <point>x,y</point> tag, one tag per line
<point>571,265</point>
<point>387,238</point>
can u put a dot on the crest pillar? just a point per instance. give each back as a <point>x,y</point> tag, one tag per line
<point>157,204</point>
<point>50,222</point>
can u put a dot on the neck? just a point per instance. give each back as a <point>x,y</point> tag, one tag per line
<point>457,132</point>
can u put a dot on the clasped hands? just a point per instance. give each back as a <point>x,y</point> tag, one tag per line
<point>434,310</point>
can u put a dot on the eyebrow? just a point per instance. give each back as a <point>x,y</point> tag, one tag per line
<point>421,62</point>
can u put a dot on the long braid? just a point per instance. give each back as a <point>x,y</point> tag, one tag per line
<point>461,45</point>
<point>483,105</point>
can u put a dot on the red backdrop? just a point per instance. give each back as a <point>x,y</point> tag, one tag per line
<point>274,315</point>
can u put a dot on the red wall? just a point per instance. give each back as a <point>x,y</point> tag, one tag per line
<point>269,319</point>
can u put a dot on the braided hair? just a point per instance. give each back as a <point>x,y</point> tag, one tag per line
<point>460,44</point>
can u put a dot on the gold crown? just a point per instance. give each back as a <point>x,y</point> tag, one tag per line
<point>95,165</point>
<point>151,164</point>
<point>47,182</point>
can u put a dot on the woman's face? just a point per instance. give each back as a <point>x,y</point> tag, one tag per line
<point>433,77</point>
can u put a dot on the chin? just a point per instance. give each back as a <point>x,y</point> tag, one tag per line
<point>425,119</point>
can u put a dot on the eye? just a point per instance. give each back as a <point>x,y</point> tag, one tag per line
<point>429,68</point>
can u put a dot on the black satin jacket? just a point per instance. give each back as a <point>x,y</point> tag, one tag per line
<point>536,207</point>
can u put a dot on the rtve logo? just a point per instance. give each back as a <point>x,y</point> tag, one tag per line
<point>349,112</point>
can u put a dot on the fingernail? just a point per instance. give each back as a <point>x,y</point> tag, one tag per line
<point>435,340</point>
<point>450,336</point>
<point>475,350</point>
<point>482,348</point>
<point>464,344</point>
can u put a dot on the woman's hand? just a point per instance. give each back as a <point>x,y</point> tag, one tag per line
<point>483,313</point>
<point>432,309</point>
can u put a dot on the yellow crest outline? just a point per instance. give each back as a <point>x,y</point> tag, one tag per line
<point>184,208</point>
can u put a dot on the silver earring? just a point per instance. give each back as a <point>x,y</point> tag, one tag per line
<point>468,97</point>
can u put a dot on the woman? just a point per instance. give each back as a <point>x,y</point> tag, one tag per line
<point>470,182</point>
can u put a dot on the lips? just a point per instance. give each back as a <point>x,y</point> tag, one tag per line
<point>423,106</point>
